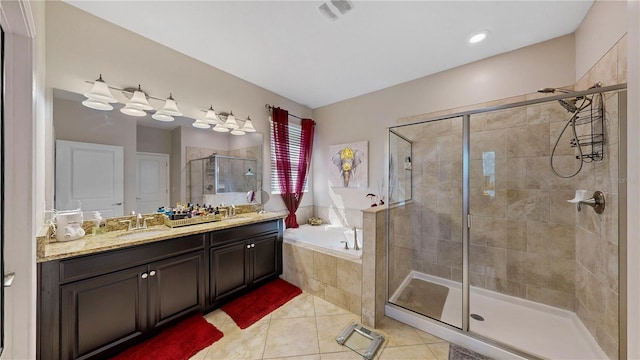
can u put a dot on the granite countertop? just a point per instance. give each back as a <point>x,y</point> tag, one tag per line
<point>111,240</point>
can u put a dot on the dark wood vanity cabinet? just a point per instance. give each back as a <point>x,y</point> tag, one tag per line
<point>94,306</point>
<point>238,266</point>
<point>243,259</point>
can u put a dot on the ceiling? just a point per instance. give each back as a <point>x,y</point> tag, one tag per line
<point>292,49</point>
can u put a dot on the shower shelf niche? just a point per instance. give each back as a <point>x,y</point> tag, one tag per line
<point>589,123</point>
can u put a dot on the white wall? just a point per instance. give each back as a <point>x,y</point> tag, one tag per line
<point>548,64</point>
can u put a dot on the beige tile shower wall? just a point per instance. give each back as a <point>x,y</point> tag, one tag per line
<point>427,230</point>
<point>522,238</point>
<point>597,235</point>
<point>334,279</point>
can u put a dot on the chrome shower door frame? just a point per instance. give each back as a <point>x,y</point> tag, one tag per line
<point>469,338</point>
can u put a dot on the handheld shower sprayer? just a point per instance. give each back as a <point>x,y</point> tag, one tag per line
<point>578,106</point>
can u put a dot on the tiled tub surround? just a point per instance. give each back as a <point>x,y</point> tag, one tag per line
<point>337,280</point>
<point>526,240</point>
<point>357,284</point>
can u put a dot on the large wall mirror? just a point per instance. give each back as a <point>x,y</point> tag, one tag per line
<point>116,163</point>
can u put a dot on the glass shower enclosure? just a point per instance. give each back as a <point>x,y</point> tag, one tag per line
<point>218,174</point>
<point>482,239</point>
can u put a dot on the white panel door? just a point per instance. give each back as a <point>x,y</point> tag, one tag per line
<point>153,182</point>
<point>90,176</point>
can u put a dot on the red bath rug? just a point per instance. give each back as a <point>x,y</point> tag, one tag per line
<point>253,306</point>
<point>179,342</point>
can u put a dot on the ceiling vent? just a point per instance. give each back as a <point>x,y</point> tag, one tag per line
<point>335,8</point>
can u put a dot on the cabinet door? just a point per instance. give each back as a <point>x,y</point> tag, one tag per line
<point>103,312</point>
<point>176,287</point>
<point>264,257</point>
<point>229,270</point>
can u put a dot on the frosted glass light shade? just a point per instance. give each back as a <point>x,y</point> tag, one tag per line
<point>237,132</point>
<point>220,128</point>
<point>132,111</point>
<point>170,107</point>
<point>248,126</point>
<point>211,116</point>
<point>231,122</point>
<point>161,116</point>
<point>97,105</point>
<point>139,101</point>
<point>200,124</point>
<point>100,92</point>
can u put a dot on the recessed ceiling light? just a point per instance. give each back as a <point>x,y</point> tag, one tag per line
<point>479,37</point>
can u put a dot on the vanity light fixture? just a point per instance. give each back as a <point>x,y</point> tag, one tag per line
<point>132,111</point>
<point>160,116</point>
<point>248,126</point>
<point>138,103</point>
<point>200,124</point>
<point>139,100</point>
<point>211,117</point>
<point>220,128</point>
<point>100,92</point>
<point>231,122</point>
<point>100,97</point>
<point>97,105</point>
<point>168,111</point>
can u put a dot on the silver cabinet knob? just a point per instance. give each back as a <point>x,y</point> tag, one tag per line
<point>152,273</point>
<point>144,275</point>
<point>253,245</point>
<point>248,246</point>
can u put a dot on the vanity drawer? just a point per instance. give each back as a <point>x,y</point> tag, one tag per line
<point>92,265</point>
<point>244,232</point>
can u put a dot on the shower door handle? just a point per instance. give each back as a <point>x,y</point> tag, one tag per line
<point>469,217</point>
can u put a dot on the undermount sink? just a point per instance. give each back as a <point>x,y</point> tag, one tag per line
<point>137,234</point>
<point>238,217</point>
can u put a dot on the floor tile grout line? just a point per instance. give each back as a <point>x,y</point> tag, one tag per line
<point>315,319</point>
<point>266,338</point>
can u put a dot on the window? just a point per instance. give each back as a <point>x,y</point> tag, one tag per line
<point>295,134</point>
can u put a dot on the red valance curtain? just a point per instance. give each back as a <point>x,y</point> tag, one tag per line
<point>291,193</point>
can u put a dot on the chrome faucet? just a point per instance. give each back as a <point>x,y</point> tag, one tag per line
<point>355,239</point>
<point>141,223</point>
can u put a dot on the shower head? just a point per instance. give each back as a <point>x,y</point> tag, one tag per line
<point>553,90</point>
<point>569,105</point>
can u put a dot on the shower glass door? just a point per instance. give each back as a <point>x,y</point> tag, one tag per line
<point>425,212</point>
<point>543,275</point>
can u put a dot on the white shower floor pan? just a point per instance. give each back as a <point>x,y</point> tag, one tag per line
<point>532,327</point>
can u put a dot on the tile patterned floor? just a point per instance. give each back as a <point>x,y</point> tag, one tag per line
<point>306,328</point>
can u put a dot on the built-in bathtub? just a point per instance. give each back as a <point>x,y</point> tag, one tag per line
<point>328,239</point>
<point>314,259</point>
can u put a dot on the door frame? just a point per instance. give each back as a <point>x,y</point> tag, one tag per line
<point>24,190</point>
